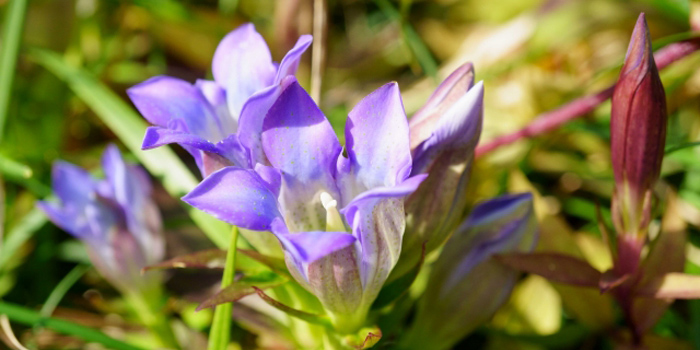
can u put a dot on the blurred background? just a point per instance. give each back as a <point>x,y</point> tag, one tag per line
<point>533,55</point>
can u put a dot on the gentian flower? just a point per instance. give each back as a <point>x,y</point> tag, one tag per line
<point>444,133</point>
<point>219,122</point>
<point>637,137</point>
<point>338,215</point>
<point>115,217</point>
<point>466,286</point>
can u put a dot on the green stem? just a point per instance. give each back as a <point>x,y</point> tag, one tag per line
<point>11,38</point>
<point>29,317</point>
<point>61,289</point>
<point>220,333</point>
<point>145,307</point>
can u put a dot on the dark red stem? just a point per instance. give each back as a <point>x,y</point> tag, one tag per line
<point>553,119</point>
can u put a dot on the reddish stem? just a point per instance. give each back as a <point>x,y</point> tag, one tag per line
<point>553,119</point>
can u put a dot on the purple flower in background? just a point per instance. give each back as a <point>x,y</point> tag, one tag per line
<point>115,217</point>
<point>219,122</point>
<point>444,133</point>
<point>466,286</point>
<point>339,216</point>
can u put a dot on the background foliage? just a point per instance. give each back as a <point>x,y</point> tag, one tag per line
<point>77,57</point>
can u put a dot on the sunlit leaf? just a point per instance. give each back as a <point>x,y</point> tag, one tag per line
<point>243,287</point>
<point>555,267</point>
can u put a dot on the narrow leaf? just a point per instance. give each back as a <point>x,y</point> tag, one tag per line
<point>243,287</point>
<point>674,285</point>
<point>11,38</point>
<point>130,128</point>
<point>29,317</point>
<point>305,316</point>
<point>206,259</point>
<point>275,264</point>
<point>20,234</point>
<point>555,267</point>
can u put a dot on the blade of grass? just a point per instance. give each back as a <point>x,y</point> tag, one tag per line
<point>24,230</point>
<point>130,128</point>
<point>414,41</point>
<point>11,38</point>
<point>21,174</point>
<point>29,317</point>
<point>220,332</point>
<point>61,290</point>
<point>228,6</point>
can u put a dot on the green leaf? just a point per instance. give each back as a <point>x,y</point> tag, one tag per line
<point>206,259</point>
<point>20,234</point>
<point>414,41</point>
<point>11,38</point>
<point>244,286</point>
<point>310,318</point>
<point>674,285</point>
<point>29,317</point>
<point>555,267</point>
<point>130,128</point>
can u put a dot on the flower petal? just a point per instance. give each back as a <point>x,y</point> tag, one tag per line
<point>242,65</point>
<point>237,196</point>
<point>453,88</point>
<point>290,62</point>
<point>250,123</point>
<point>377,143</point>
<point>73,185</point>
<point>164,99</point>
<point>300,142</point>
<point>307,247</point>
<point>459,127</point>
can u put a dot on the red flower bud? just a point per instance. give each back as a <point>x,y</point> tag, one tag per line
<point>638,133</point>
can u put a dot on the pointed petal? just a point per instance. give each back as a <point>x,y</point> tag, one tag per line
<point>297,137</point>
<point>290,62</point>
<point>458,128</point>
<point>422,124</point>
<point>164,99</point>
<point>300,142</point>
<point>237,196</point>
<point>250,123</point>
<point>73,185</point>
<point>307,247</point>
<point>377,142</point>
<point>242,65</point>
<point>157,136</point>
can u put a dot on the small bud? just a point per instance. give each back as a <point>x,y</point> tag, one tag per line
<point>466,286</point>
<point>638,134</point>
<point>443,136</point>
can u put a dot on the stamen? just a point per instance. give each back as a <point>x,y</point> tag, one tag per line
<point>334,222</point>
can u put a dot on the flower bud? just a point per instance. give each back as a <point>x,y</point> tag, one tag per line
<point>637,134</point>
<point>114,217</point>
<point>466,286</point>
<point>443,135</point>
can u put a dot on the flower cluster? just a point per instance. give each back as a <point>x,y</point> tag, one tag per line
<point>115,217</point>
<point>273,163</point>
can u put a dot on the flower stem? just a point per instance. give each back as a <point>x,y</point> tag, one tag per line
<point>145,307</point>
<point>577,108</point>
<point>220,333</point>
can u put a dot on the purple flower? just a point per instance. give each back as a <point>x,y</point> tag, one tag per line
<point>444,134</point>
<point>338,215</point>
<point>466,286</point>
<point>114,217</point>
<point>219,122</point>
